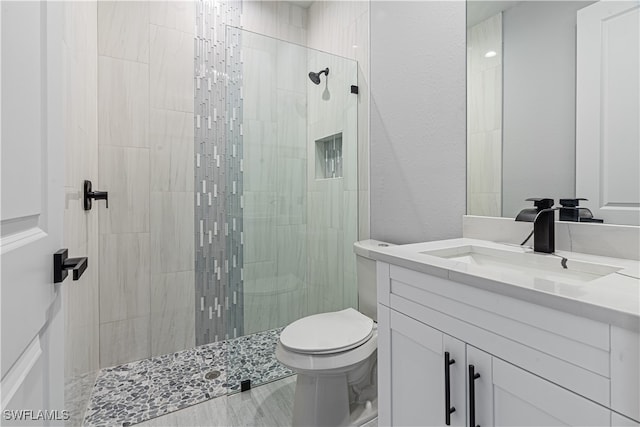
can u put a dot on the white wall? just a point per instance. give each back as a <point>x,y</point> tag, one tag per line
<point>539,102</point>
<point>418,137</point>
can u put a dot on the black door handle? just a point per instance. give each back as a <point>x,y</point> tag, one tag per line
<point>472,396</point>
<point>62,263</point>
<point>448,409</point>
<point>90,195</point>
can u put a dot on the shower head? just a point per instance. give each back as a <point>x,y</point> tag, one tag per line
<point>315,77</point>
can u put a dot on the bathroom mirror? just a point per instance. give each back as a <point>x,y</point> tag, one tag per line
<point>525,68</point>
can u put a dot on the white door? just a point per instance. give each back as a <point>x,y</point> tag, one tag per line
<point>607,110</point>
<point>31,352</point>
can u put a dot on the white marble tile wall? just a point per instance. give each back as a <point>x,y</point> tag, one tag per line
<point>124,173</point>
<point>81,303</point>
<point>171,143</point>
<point>261,310</point>
<point>279,19</point>
<point>123,100</point>
<point>349,37</point>
<point>332,212</point>
<point>122,29</point>
<point>325,270</point>
<point>172,289</point>
<point>123,105</point>
<point>146,157</point>
<point>172,306</point>
<point>291,241</point>
<point>124,341</point>
<point>178,15</point>
<point>259,227</point>
<point>172,232</point>
<point>291,214</point>
<point>260,78</point>
<point>484,118</point>
<point>283,116</point>
<point>275,164</point>
<point>291,206</point>
<point>171,68</point>
<point>124,276</point>
<point>260,192</point>
<point>348,25</point>
<point>349,212</point>
<point>256,155</point>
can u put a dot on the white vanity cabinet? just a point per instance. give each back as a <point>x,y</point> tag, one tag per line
<point>536,365</point>
<point>500,394</point>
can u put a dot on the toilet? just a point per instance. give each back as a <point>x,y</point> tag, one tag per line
<point>335,356</point>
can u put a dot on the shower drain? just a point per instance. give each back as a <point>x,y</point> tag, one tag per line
<point>212,375</point>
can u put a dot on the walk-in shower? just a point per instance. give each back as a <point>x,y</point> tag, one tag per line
<point>293,232</point>
<point>269,214</point>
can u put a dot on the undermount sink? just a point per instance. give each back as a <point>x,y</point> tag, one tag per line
<point>514,260</point>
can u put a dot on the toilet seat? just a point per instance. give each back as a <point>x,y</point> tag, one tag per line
<point>323,364</point>
<point>327,333</point>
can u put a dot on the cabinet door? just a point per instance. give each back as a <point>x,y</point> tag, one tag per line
<point>480,388</point>
<point>523,399</point>
<point>418,374</point>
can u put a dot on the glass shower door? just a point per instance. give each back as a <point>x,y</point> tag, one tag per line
<point>294,224</point>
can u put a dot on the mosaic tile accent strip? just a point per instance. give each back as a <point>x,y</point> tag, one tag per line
<point>134,392</point>
<point>235,181</point>
<point>218,175</point>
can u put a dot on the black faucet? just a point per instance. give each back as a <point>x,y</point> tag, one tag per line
<point>571,211</point>
<point>542,216</point>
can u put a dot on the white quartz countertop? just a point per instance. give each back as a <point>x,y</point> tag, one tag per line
<point>613,298</point>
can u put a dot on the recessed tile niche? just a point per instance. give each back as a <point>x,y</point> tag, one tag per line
<point>329,157</point>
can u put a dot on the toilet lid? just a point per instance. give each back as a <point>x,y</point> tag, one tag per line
<point>327,332</point>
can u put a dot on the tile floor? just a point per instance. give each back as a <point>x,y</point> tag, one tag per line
<point>134,392</point>
<point>269,405</point>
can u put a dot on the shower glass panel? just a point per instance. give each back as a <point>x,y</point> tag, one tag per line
<point>296,216</point>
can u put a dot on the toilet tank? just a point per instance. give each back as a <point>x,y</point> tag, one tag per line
<point>366,273</point>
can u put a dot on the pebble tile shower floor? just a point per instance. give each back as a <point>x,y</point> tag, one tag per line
<point>127,394</point>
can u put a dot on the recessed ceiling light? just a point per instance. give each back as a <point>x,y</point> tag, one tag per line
<point>490,54</point>
<point>355,46</point>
